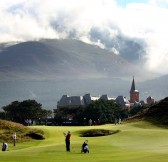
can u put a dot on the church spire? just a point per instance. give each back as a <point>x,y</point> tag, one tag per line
<point>134,94</point>
<point>132,86</point>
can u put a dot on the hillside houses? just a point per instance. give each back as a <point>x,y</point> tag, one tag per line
<point>76,101</point>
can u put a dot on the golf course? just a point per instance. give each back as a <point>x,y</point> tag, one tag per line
<point>137,141</point>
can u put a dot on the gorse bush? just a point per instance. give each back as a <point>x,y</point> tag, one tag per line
<point>23,133</point>
<point>12,126</point>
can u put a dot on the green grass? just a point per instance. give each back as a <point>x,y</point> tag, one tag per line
<point>136,142</point>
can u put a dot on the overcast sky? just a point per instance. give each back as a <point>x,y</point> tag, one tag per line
<point>93,21</point>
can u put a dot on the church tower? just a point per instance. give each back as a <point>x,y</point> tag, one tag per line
<point>134,94</point>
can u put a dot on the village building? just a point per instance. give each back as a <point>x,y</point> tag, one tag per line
<point>76,101</point>
<point>150,100</point>
<point>123,101</point>
<point>134,94</point>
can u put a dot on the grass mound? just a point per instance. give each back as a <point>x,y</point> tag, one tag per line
<point>156,114</point>
<point>97,132</point>
<point>7,128</point>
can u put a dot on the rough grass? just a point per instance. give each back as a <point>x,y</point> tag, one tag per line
<point>137,141</point>
<point>156,114</point>
<point>7,129</point>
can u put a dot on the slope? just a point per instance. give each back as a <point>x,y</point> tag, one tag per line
<point>61,58</point>
<point>138,142</point>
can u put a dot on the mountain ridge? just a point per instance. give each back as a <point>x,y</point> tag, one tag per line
<point>62,57</point>
<point>47,69</point>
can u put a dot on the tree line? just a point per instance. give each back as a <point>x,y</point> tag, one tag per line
<point>26,110</point>
<point>99,112</point>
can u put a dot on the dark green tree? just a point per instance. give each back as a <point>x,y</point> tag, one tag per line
<point>27,109</point>
<point>2,115</point>
<point>138,109</point>
<point>100,112</point>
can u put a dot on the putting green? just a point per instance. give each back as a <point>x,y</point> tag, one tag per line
<point>136,142</point>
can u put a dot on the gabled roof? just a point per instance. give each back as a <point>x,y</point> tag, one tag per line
<point>121,100</point>
<point>71,101</point>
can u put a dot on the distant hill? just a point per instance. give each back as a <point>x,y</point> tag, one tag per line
<point>47,69</point>
<point>158,113</point>
<point>156,87</point>
<point>53,59</point>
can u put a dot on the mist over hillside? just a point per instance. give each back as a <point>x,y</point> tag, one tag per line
<point>54,59</point>
<point>48,92</point>
<point>47,69</point>
<point>157,87</point>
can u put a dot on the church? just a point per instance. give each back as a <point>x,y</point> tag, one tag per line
<point>76,101</point>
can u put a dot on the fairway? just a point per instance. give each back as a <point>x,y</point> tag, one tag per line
<point>135,142</point>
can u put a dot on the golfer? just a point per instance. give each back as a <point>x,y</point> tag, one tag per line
<point>67,140</point>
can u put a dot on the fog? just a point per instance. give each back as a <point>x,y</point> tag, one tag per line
<point>105,23</point>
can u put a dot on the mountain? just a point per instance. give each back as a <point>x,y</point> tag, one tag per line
<point>130,49</point>
<point>53,59</point>
<point>47,69</point>
<point>157,87</point>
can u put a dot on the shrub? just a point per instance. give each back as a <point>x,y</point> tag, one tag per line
<point>23,133</point>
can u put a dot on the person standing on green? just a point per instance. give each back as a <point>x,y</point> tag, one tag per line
<point>14,139</point>
<point>67,140</point>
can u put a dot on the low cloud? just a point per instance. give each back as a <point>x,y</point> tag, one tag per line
<point>140,26</point>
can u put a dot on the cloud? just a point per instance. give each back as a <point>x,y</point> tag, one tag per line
<point>101,22</point>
